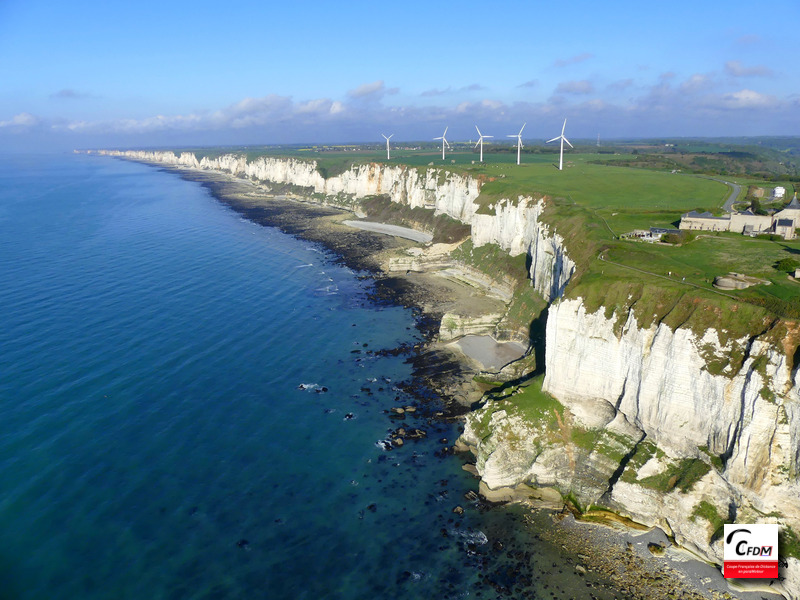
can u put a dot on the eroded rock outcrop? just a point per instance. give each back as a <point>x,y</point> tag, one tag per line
<point>517,228</point>
<point>697,448</point>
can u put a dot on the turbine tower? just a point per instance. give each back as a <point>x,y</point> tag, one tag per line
<point>563,139</point>
<point>444,141</point>
<point>387,145</point>
<point>519,141</point>
<point>480,140</point>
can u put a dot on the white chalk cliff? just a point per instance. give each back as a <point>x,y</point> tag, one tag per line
<point>514,226</point>
<point>652,386</point>
<point>638,402</point>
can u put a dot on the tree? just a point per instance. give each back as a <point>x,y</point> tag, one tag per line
<point>787,265</point>
<point>755,206</point>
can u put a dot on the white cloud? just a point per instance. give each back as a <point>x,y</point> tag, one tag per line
<point>734,68</point>
<point>622,84</point>
<point>372,91</point>
<point>696,83</point>
<point>668,107</point>
<point>748,99</point>
<point>435,92</point>
<point>319,106</point>
<point>70,94</point>
<point>564,62</point>
<point>575,87</point>
<point>22,120</point>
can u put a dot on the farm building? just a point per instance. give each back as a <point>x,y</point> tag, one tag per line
<point>782,223</point>
<point>704,221</point>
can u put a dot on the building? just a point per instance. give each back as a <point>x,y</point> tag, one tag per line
<point>749,223</point>
<point>704,221</point>
<point>783,223</point>
<point>790,211</point>
<point>785,228</point>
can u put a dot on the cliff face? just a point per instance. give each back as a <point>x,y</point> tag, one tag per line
<point>658,378</point>
<point>672,445</point>
<point>514,226</point>
<point>640,424</point>
<point>517,227</point>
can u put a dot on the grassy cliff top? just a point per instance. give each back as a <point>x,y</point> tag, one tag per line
<point>602,193</point>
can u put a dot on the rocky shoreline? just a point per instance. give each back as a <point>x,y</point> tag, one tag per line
<point>450,375</point>
<point>364,252</point>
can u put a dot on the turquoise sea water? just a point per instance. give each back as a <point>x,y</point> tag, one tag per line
<point>154,440</point>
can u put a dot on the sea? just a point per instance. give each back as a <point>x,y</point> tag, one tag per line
<point>196,406</point>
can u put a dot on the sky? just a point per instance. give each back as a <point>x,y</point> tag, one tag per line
<point>90,74</point>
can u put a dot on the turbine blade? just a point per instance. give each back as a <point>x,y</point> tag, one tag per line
<point>553,140</point>
<point>563,127</point>
<point>439,138</point>
<point>523,127</point>
<point>478,130</point>
<point>512,136</point>
<point>390,137</point>
<point>570,145</point>
<point>445,130</point>
<point>477,143</point>
<point>487,136</point>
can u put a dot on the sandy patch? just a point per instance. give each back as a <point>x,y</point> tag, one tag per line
<point>395,230</point>
<point>490,353</point>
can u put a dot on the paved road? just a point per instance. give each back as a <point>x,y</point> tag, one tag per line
<point>396,230</point>
<point>735,189</point>
<point>728,206</point>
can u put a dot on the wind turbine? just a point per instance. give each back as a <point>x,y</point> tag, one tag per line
<point>563,139</point>
<point>519,141</point>
<point>444,141</point>
<point>387,145</point>
<point>480,140</point>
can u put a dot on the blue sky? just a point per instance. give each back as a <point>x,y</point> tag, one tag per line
<point>87,73</point>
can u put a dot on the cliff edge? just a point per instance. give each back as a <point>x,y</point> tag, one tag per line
<point>652,405</point>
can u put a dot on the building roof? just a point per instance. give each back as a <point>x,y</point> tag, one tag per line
<point>793,204</point>
<point>693,214</point>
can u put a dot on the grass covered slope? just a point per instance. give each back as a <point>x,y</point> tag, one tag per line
<point>590,204</point>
